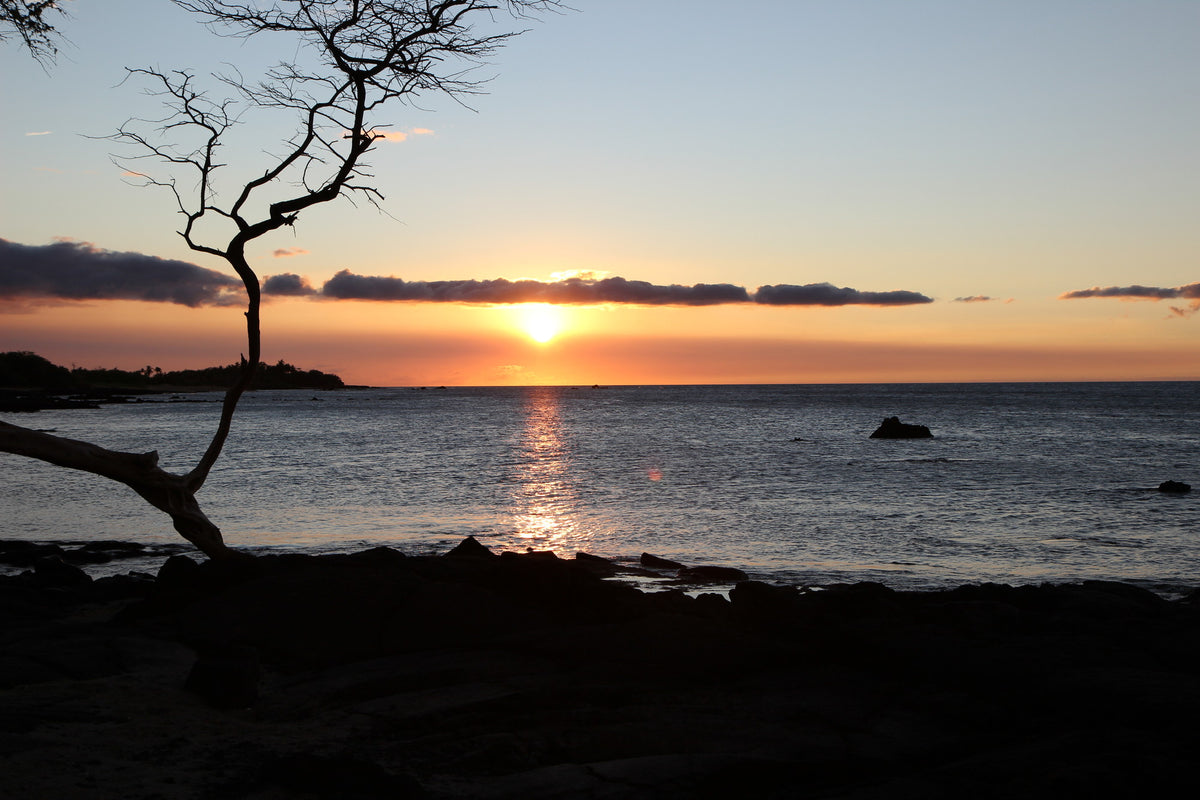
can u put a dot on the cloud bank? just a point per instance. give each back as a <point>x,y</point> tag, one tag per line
<point>573,291</point>
<point>82,271</point>
<point>345,285</point>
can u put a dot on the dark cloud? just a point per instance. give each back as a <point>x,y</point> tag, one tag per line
<point>975,298</point>
<point>1191,292</point>
<point>81,271</point>
<point>287,285</point>
<point>826,294</point>
<point>580,291</point>
<point>573,291</point>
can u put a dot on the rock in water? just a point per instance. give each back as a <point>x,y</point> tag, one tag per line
<point>712,574</point>
<point>893,428</point>
<point>657,562</point>
<point>1174,486</point>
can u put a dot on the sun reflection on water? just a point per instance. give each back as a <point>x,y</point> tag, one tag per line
<point>544,497</point>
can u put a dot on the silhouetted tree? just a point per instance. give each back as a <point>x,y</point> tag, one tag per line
<point>29,21</point>
<point>368,54</point>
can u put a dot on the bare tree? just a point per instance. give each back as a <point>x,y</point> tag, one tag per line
<point>365,55</point>
<point>29,20</point>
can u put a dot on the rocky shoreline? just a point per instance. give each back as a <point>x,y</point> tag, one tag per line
<point>482,675</point>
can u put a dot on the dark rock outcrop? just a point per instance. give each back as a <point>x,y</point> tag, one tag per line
<point>1176,487</point>
<point>657,562</point>
<point>597,565</point>
<point>470,548</point>
<point>893,428</point>
<point>24,402</point>
<point>528,676</point>
<point>705,574</point>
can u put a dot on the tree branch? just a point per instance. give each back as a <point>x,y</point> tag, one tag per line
<point>139,471</point>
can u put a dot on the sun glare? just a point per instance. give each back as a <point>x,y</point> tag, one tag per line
<point>540,321</point>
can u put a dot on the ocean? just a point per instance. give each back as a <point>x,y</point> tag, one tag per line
<point>1021,483</point>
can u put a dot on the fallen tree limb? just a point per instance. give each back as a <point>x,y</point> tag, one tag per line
<point>166,491</point>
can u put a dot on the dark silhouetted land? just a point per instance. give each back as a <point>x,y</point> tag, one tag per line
<point>29,382</point>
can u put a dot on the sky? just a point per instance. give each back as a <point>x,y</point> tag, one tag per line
<point>683,191</point>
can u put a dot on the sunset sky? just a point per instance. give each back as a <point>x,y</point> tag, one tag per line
<point>767,191</point>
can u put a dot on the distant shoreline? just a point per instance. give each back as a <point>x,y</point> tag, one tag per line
<point>29,382</point>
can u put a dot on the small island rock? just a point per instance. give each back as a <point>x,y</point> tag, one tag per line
<point>893,428</point>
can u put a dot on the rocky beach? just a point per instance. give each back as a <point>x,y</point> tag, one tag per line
<point>481,675</point>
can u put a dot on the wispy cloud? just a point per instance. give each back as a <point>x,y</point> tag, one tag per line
<point>593,291</point>
<point>69,270</point>
<point>1189,292</point>
<point>39,133</point>
<point>385,135</point>
<point>288,252</point>
<point>975,298</point>
<point>581,274</point>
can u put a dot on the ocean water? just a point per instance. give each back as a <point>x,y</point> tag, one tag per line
<point>1022,483</point>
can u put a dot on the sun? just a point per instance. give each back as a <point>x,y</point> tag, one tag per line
<point>540,321</point>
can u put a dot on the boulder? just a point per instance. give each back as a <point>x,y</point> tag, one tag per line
<point>18,553</point>
<point>596,564</point>
<point>657,562</point>
<point>1176,487</point>
<point>381,557</point>
<point>893,428</point>
<point>56,572</point>
<point>470,548</point>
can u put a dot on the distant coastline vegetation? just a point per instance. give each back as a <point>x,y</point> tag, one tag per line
<point>30,372</point>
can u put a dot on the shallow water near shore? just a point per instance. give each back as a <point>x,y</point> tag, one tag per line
<point>1022,483</point>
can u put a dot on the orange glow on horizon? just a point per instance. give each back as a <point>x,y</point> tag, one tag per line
<point>426,344</point>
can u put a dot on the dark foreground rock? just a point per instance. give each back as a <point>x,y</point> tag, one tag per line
<point>479,675</point>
